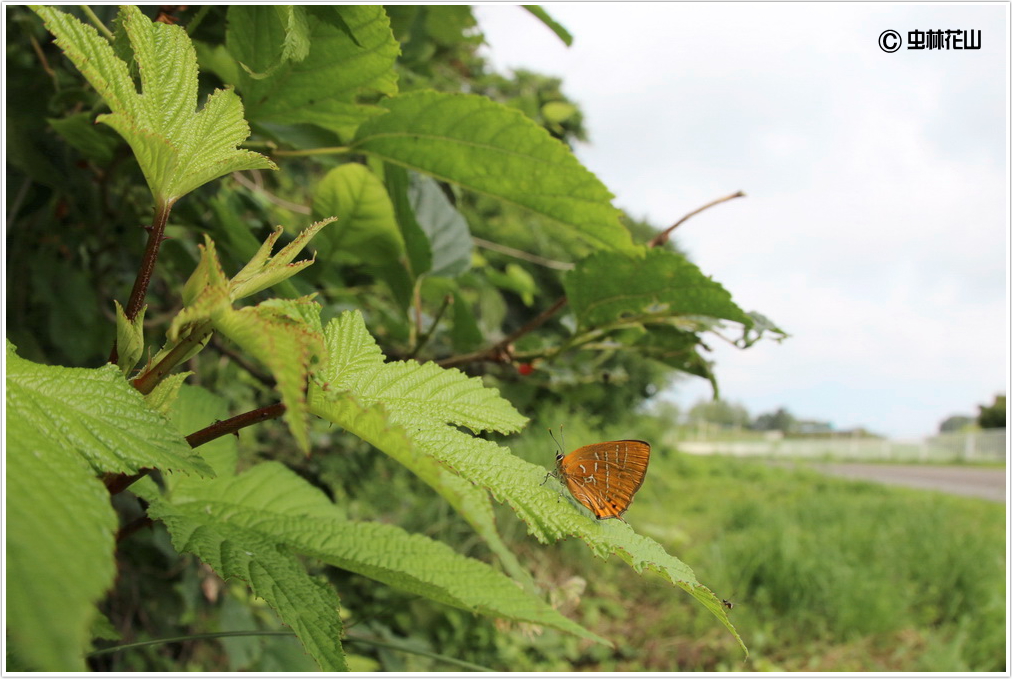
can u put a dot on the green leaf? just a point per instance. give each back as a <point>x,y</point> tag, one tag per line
<point>285,336</point>
<point>558,111</point>
<point>368,229</point>
<point>58,513</point>
<point>208,529</point>
<point>79,130</point>
<point>609,288</point>
<point>375,425</point>
<point>759,326</point>
<point>281,511</point>
<point>421,402</point>
<point>447,231</point>
<point>265,270</point>
<point>96,414</point>
<point>551,23</point>
<point>129,338</point>
<point>415,239</point>
<point>516,279</point>
<point>324,87</point>
<point>197,408</point>
<point>292,43</point>
<point>466,334</point>
<point>177,149</point>
<point>62,426</point>
<point>164,394</point>
<point>415,392</point>
<point>495,150</point>
<point>387,404</point>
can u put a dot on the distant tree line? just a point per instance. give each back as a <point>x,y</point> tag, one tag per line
<point>731,415</point>
<point>990,417</point>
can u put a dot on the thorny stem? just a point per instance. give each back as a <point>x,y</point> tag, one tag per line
<point>140,289</point>
<point>233,424</point>
<point>502,351</point>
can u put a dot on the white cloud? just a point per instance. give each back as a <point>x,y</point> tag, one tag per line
<point>875,230</point>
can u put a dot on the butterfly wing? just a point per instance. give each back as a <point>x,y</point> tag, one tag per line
<point>604,476</point>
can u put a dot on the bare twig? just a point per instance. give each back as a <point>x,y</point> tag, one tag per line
<point>662,237</point>
<point>280,202</point>
<point>432,326</point>
<point>265,378</point>
<point>501,351</point>
<point>520,254</point>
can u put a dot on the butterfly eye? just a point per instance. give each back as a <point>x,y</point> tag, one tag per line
<point>558,457</point>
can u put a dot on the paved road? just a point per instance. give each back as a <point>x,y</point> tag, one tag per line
<point>986,483</point>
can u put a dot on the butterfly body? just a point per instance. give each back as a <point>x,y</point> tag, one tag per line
<point>603,477</point>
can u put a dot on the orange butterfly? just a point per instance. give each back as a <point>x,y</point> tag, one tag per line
<point>603,477</point>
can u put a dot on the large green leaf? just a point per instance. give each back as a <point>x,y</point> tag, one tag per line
<point>422,402</point>
<point>282,513</point>
<point>62,426</point>
<point>493,149</point>
<point>610,288</point>
<point>96,414</point>
<point>351,52</point>
<point>416,242</point>
<point>416,392</point>
<point>447,232</point>
<point>368,229</point>
<point>177,148</point>
<point>285,336</point>
<point>243,543</point>
<point>58,513</point>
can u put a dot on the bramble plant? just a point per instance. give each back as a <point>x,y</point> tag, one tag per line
<point>397,176</point>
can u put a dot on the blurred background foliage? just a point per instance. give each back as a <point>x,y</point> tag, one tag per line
<point>825,574</point>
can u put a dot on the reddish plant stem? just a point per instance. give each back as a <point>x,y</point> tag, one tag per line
<point>132,527</point>
<point>140,290</point>
<point>662,237</point>
<point>233,424</point>
<point>117,483</point>
<point>501,351</point>
<point>155,237</point>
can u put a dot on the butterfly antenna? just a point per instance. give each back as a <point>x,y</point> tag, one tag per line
<point>552,434</point>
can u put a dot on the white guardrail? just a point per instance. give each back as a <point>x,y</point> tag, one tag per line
<point>988,445</point>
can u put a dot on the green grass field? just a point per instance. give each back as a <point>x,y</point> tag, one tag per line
<point>826,574</point>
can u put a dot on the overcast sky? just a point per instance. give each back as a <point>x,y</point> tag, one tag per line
<point>875,227</point>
